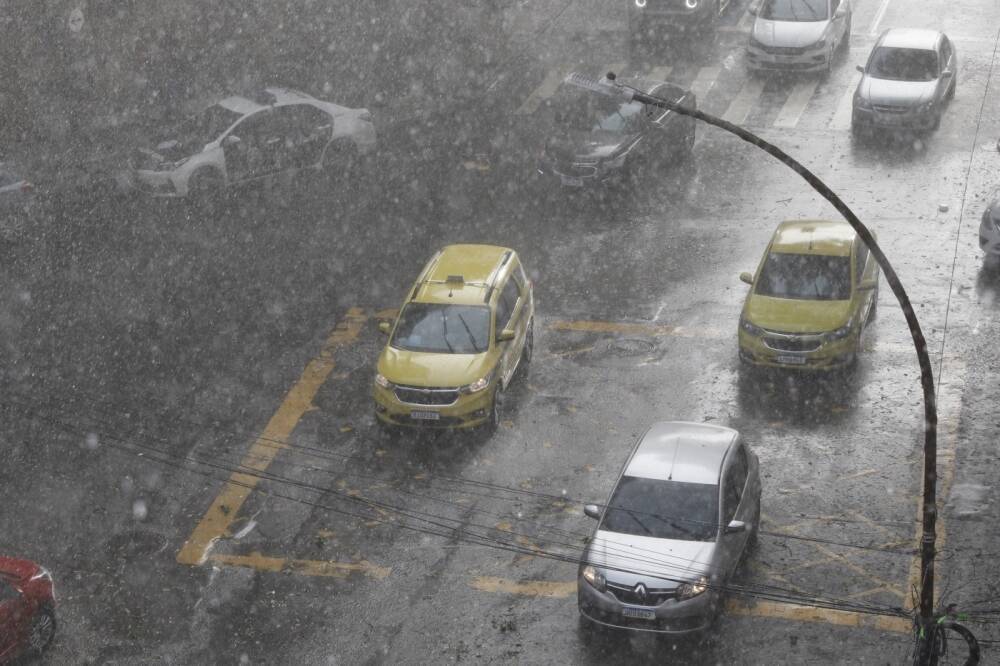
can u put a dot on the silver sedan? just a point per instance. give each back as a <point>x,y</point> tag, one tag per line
<point>798,35</point>
<point>680,519</point>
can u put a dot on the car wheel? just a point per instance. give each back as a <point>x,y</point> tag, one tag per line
<point>873,310</point>
<point>205,189</point>
<point>950,95</point>
<point>528,351</point>
<point>845,43</point>
<point>496,410</point>
<point>857,131</point>
<point>937,121</point>
<point>43,630</point>
<point>754,539</point>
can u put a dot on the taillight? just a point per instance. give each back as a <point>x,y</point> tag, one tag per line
<point>27,187</point>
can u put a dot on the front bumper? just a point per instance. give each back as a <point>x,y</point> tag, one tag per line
<point>672,616</point>
<point>577,177</point>
<point>153,183</point>
<point>828,355</point>
<point>907,119</point>
<point>468,411</point>
<point>792,60</point>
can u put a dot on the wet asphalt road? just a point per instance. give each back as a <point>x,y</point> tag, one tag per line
<point>149,349</point>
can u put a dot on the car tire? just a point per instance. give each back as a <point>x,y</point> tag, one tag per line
<point>42,631</point>
<point>845,43</point>
<point>873,310</point>
<point>496,410</point>
<point>528,351</point>
<point>205,188</point>
<point>950,95</point>
<point>937,121</point>
<point>754,539</point>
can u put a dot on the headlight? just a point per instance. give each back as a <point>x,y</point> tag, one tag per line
<point>382,381</point>
<point>750,328</point>
<point>594,577</point>
<point>842,332</point>
<point>477,386</point>
<point>820,44</point>
<point>691,4</point>
<point>925,107</point>
<point>862,103</point>
<point>641,4</point>
<point>754,42</point>
<point>692,589</point>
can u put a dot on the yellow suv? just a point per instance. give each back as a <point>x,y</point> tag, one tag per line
<point>813,294</point>
<point>463,331</point>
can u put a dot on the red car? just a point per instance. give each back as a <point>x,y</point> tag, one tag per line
<point>27,608</point>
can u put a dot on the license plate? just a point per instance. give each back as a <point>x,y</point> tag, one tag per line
<point>425,416</point>
<point>639,613</point>
<point>572,182</point>
<point>791,360</point>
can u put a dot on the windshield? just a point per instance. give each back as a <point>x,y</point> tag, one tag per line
<point>452,329</point>
<point>903,64</point>
<point>576,110</point>
<point>795,10</point>
<point>813,277</point>
<point>663,509</point>
<point>206,127</point>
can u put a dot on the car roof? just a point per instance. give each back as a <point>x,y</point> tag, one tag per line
<point>478,266</point>
<point>825,237</point>
<point>681,451</point>
<point>909,38</point>
<point>264,98</point>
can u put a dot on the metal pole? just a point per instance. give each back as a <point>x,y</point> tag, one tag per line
<point>929,513</point>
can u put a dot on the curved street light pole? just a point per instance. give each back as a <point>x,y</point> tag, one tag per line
<point>609,86</point>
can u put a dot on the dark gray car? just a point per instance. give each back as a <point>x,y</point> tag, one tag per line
<point>678,523</point>
<point>909,79</point>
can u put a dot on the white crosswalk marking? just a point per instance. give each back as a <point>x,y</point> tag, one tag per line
<point>544,90</point>
<point>793,107</point>
<point>748,95</point>
<point>842,116</point>
<point>704,81</point>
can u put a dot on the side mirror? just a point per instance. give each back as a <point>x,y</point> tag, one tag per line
<point>505,335</point>
<point>867,285</point>
<point>946,74</point>
<point>841,12</point>
<point>230,140</point>
<point>385,327</point>
<point>860,68</point>
<point>753,9</point>
<point>592,511</point>
<point>746,277</point>
<point>735,527</point>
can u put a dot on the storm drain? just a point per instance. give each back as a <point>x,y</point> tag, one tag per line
<point>630,346</point>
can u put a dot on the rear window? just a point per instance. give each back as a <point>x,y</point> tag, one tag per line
<point>795,10</point>
<point>903,64</point>
<point>663,509</point>
<point>811,277</point>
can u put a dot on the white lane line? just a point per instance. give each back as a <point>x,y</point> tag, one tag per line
<point>879,15</point>
<point>793,107</point>
<point>704,81</point>
<point>748,95</point>
<point>842,116</point>
<point>544,90</point>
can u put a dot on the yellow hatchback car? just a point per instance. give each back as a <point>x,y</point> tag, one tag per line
<point>464,330</point>
<point>812,296</point>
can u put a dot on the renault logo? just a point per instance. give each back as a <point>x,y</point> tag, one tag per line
<point>640,591</point>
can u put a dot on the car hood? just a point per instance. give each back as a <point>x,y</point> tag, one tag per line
<point>431,369</point>
<point>896,93</point>
<point>628,559</point>
<point>19,570</point>
<point>792,315</point>
<point>579,146</point>
<point>789,33</point>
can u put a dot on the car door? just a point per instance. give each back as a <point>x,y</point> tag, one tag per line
<point>251,147</point>
<point>11,620</point>
<point>734,482</point>
<point>509,307</point>
<point>305,131</point>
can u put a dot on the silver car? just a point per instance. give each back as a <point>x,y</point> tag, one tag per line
<point>798,35</point>
<point>679,521</point>
<point>909,79</point>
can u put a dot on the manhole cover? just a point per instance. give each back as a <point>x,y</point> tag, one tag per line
<point>630,346</point>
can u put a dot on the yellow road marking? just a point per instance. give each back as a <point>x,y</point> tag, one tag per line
<point>950,411</point>
<point>223,511</point>
<point>770,609</point>
<point>774,609</point>
<point>651,330</point>
<point>328,568</point>
<point>527,588</point>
